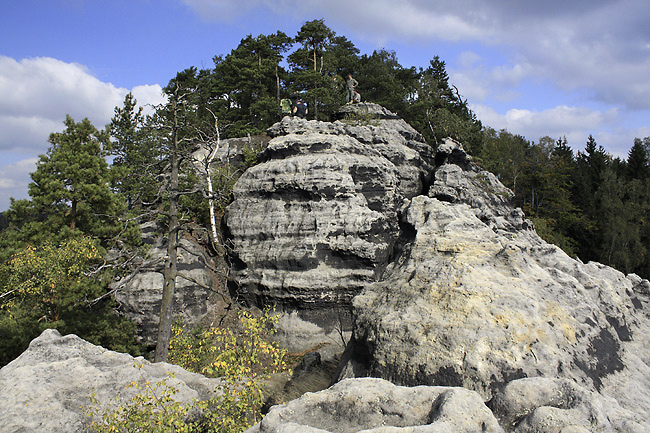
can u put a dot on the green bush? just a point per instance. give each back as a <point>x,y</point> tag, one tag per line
<point>243,359</point>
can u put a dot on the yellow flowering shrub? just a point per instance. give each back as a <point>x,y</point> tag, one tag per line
<point>153,409</point>
<point>243,358</point>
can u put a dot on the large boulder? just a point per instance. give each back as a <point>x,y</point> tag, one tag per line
<point>478,300</point>
<point>542,405</point>
<point>378,406</point>
<point>318,219</point>
<point>531,405</point>
<point>48,387</point>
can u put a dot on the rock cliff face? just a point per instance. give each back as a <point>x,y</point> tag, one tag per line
<point>140,294</point>
<point>478,300</point>
<point>455,287</point>
<point>479,323</point>
<point>318,219</point>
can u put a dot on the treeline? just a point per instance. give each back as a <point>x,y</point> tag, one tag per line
<point>63,249</point>
<point>245,87</point>
<point>591,204</point>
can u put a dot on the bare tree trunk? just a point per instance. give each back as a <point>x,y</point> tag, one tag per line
<point>169,285</point>
<point>73,214</point>
<point>213,218</point>
<point>277,84</point>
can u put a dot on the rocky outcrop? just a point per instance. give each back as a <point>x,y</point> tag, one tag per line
<point>481,324</point>
<point>375,405</point>
<point>318,219</point>
<point>532,405</point>
<point>455,286</point>
<point>48,387</point>
<point>478,300</point>
<point>540,405</point>
<point>140,294</point>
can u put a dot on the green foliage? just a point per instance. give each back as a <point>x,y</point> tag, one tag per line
<point>504,155</point>
<point>360,118</point>
<point>153,409</point>
<point>314,37</point>
<point>137,158</point>
<point>54,243</point>
<point>71,196</point>
<point>245,85</point>
<point>73,179</point>
<point>438,110</point>
<point>322,57</point>
<point>52,286</point>
<point>384,81</point>
<point>638,160</point>
<point>243,360</point>
<point>591,205</point>
<point>222,352</point>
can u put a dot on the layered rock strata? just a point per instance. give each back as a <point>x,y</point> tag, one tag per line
<point>140,294</point>
<point>318,219</point>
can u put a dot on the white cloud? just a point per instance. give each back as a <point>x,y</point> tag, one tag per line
<point>597,46</point>
<point>148,96</point>
<point>576,123</point>
<point>37,94</point>
<point>46,87</point>
<point>14,179</point>
<point>391,20</point>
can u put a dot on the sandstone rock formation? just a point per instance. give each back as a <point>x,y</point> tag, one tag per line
<point>375,405</point>
<point>456,288</point>
<point>46,388</point>
<point>317,220</point>
<point>140,294</point>
<point>481,325</point>
<point>478,300</point>
<point>532,405</point>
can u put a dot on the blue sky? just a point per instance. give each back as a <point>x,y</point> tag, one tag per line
<point>557,68</point>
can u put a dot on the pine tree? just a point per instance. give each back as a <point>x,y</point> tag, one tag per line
<point>384,81</point>
<point>313,67</point>
<point>246,85</point>
<point>314,37</point>
<point>54,260</point>
<point>136,156</point>
<point>70,194</point>
<point>638,160</point>
<point>438,110</point>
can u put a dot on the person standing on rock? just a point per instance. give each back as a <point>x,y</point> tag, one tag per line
<point>285,106</point>
<point>350,84</point>
<point>300,109</point>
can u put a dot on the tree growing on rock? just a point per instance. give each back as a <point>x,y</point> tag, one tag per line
<point>321,57</point>
<point>245,86</point>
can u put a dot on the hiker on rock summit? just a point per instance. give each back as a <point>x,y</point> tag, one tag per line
<point>350,84</point>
